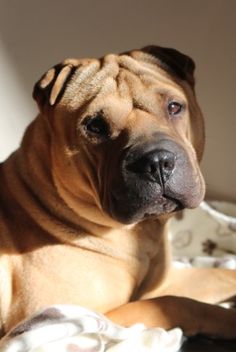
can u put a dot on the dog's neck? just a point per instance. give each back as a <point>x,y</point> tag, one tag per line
<point>28,174</point>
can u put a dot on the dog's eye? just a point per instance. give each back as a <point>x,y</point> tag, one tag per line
<point>174,108</point>
<point>97,126</point>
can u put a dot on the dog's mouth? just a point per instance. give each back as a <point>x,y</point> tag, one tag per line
<point>128,209</point>
<point>169,205</point>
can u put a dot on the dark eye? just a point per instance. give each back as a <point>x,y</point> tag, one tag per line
<point>97,126</point>
<point>174,108</point>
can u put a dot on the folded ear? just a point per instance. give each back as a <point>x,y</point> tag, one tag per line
<point>50,88</point>
<point>173,61</point>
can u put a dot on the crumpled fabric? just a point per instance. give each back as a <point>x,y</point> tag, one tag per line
<point>76,329</point>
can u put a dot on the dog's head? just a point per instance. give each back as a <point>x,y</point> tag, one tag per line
<point>127,134</point>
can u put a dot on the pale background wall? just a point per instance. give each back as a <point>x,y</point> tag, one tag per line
<point>34,35</point>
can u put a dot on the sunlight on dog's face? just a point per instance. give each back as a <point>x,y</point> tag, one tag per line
<point>139,130</point>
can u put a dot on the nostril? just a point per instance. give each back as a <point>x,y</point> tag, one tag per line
<point>152,168</point>
<point>168,165</point>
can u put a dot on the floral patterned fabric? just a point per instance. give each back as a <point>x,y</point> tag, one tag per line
<point>206,236</point>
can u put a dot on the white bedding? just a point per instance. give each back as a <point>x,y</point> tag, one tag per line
<point>76,329</point>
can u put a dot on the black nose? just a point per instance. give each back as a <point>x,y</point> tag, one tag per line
<point>158,165</point>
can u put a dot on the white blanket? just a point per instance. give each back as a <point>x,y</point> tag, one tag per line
<point>205,237</point>
<point>76,329</point>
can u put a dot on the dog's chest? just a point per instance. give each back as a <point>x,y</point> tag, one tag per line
<point>63,274</point>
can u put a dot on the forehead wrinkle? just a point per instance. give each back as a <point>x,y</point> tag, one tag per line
<point>142,96</point>
<point>82,75</point>
<point>144,70</point>
<point>123,89</point>
<point>109,88</point>
<point>92,83</point>
<point>110,68</point>
<point>133,65</point>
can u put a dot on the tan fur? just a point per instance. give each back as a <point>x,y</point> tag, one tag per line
<point>58,245</point>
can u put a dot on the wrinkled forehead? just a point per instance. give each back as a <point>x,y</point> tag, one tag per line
<point>133,80</point>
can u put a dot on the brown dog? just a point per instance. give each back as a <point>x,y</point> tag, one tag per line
<point>112,155</point>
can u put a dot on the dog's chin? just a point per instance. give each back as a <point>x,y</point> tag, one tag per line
<point>132,212</point>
